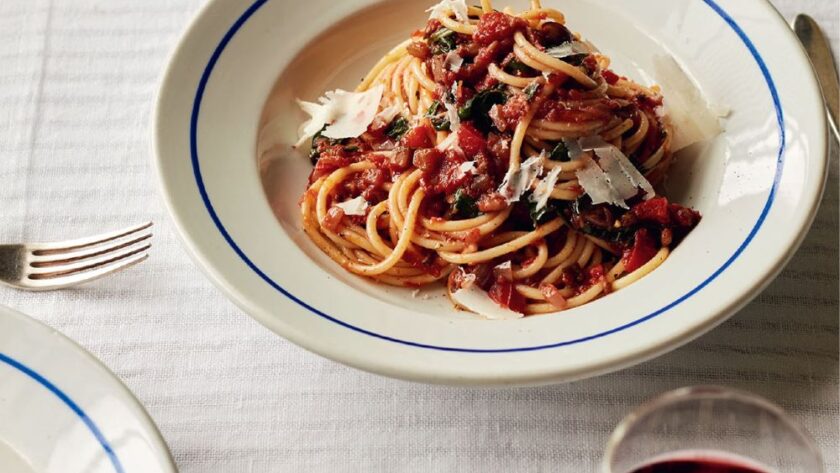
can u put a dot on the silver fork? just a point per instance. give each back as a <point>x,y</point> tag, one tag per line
<point>47,266</point>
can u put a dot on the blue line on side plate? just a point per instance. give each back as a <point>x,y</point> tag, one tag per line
<point>69,403</point>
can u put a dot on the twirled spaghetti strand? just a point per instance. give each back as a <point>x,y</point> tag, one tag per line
<point>399,243</point>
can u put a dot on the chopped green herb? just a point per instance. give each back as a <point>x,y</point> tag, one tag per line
<point>531,90</point>
<point>478,108</point>
<point>575,60</point>
<point>433,110</point>
<point>543,215</point>
<point>571,52</point>
<point>616,235</point>
<point>314,154</point>
<point>464,205</point>
<point>516,66</point>
<point>397,128</point>
<point>439,121</point>
<point>443,41</point>
<point>317,140</point>
<point>560,153</point>
<point>449,96</point>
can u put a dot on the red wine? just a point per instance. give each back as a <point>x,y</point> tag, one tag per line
<point>697,465</point>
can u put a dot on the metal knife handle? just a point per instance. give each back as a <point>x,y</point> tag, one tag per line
<point>819,51</point>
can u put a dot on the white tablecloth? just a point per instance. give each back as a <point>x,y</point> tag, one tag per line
<point>77,79</point>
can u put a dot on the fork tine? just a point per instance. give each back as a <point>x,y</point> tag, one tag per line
<point>79,266</point>
<point>56,257</point>
<point>86,276</point>
<point>48,248</point>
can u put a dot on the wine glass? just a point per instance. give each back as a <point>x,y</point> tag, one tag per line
<point>710,429</point>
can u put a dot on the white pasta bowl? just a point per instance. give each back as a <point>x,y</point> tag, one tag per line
<point>242,63</point>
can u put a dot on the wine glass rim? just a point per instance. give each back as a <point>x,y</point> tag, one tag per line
<point>703,392</point>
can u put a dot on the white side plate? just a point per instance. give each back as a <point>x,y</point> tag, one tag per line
<point>62,411</point>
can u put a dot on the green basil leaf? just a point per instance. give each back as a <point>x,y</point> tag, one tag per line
<point>464,205</point>
<point>544,215</point>
<point>443,41</point>
<point>441,123</point>
<point>397,128</point>
<point>560,153</point>
<point>516,66</point>
<point>314,154</point>
<point>439,120</point>
<point>433,109</point>
<point>478,108</point>
<point>575,60</point>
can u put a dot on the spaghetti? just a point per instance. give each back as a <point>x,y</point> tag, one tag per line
<point>500,155</point>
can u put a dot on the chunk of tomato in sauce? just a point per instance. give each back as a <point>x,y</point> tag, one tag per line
<point>643,250</point>
<point>419,137</point>
<point>471,140</point>
<point>333,220</point>
<point>659,211</point>
<point>440,171</point>
<point>596,274</point>
<point>611,77</point>
<point>428,160</point>
<point>497,26</point>
<point>684,218</point>
<point>326,164</point>
<point>504,293</point>
<point>654,210</point>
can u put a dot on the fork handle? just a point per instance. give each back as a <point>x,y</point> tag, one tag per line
<point>10,261</point>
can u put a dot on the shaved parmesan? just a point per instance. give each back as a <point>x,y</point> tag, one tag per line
<point>472,298</point>
<point>453,61</point>
<point>623,184</point>
<point>387,115</point>
<point>468,280</point>
<point>569,48</point>
<point>544,188</point>
<point>346,114</point>
<point>520,181</point>
<point>453,117</point>
<point>452,110</point>
<point>693,117</point>
<point>505,266</point>
<point>504,270</point>
<point>594,182</point>
<point>466,168</point>
<point>623,175</point>
<point>613,180</point>
<point>319,115</point>
<point>355,207</point>
<point>442,9</point>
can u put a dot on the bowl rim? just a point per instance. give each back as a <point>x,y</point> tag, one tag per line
<point>115,384</point>
<point>750,290</point>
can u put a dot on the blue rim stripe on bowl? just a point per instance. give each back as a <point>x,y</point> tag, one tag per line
<point>109,451</point>
<point>212,212</point>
